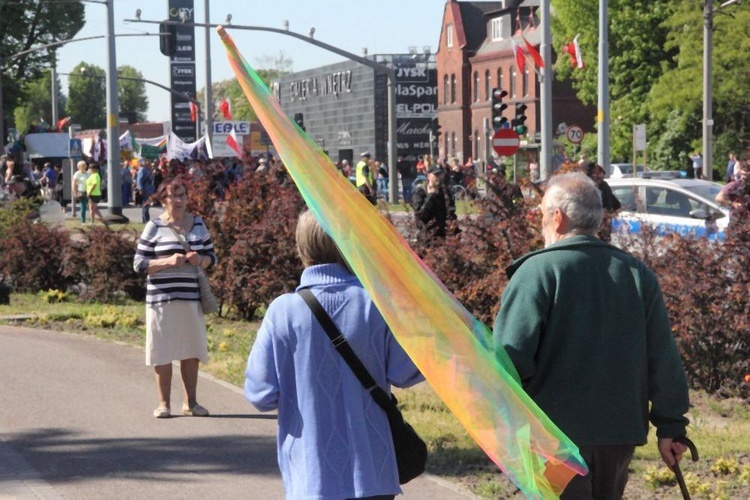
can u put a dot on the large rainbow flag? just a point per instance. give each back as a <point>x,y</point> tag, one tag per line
<point>451,347</point>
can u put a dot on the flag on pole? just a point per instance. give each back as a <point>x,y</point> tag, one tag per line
<point>226,108</point>
<point>62,123</point>
<point>535,55</point>
<point>193,111</point>
<point>233,143</point>
<point>520,58</point>
<point>574,51</point>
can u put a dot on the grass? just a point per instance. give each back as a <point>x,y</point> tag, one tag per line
<point>720,428</point>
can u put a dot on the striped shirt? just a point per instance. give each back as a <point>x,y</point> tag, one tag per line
<point>158,241</point>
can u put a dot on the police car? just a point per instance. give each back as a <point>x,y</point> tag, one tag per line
<point>682,206</point>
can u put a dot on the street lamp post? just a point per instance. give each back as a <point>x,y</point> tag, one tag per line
<point>114,183</point>
<point>708,120</point>
<point>389,72</point>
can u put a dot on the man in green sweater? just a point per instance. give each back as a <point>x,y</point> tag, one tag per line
<point>586,327</point>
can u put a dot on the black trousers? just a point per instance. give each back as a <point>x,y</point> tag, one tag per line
<point>608,473</point>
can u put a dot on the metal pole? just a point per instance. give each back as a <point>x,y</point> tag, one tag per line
<point>53,77</point>
<point>2,108</point>
<point>547,75</point>
<point>209,106</point>
<point>602,117</point>
<point>708,122</point>
<point>114,191</point>
<point>392,142</point>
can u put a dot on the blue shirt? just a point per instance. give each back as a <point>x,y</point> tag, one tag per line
<point>333,441</point>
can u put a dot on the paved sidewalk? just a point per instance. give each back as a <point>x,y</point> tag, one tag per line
<point>76,423</point>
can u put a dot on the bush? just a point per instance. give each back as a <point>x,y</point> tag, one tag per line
<point>32,253</point>
<point>252,228</point>
<point>101,262</point>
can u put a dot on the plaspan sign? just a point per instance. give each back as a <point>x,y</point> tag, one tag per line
<point>182,69</point>
<point>416,106</point>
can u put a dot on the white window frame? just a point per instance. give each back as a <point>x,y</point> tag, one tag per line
<point>449,35</point>
<point>496,29</point>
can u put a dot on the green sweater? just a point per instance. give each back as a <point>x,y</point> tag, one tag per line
<point>586,327</point>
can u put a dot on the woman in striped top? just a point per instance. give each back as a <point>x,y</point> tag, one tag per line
<point>175,326</point>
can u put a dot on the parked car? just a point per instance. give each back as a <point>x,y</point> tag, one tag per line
<point>682,206</point>
<point>620,170</point>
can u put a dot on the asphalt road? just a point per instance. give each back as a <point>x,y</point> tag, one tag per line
<point>76,423</point>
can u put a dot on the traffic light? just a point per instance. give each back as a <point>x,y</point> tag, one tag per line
<point>299,119</point>
<point>436,129</point>
<point>518,123</point>
<point>167,39</point>
<point>498,106</point>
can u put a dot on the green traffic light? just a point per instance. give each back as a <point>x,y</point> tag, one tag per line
<point>521,129</point>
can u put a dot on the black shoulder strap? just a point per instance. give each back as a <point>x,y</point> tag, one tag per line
<point>342,346</point>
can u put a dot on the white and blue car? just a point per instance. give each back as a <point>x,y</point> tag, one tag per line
<point>682,206</point>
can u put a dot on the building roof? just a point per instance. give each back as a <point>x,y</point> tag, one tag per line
<point>474,22</point>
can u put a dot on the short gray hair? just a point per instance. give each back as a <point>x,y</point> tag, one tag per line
<point>313,243</point>
<point>578,198</point>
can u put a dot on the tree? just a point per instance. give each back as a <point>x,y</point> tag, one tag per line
<point>26,24</point>
<point>230,89</point>
<point>37,104</point>
<point>637,57</point>
<point>87,99</point>
<point>131,93</point>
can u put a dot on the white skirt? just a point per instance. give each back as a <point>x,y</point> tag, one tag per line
<point>175,331</point>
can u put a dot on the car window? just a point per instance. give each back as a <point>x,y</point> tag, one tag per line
<point>665,201</point>
<point>629,199</point>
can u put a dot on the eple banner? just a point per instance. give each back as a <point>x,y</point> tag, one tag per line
<point>182,69</point>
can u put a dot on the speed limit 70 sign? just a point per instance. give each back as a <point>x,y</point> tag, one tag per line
<point>575,134</point>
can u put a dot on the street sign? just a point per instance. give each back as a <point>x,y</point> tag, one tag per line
<point>575,134</point>
<point>505,142</point>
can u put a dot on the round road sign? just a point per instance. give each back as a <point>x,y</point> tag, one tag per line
<point>575,134</point>
<point>505,141</point>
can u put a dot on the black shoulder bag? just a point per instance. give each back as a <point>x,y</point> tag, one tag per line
<point>411,451</point>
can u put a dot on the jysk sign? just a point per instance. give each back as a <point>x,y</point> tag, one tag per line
<point>182,69</point>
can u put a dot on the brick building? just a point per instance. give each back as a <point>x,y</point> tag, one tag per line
<point>475,55</point>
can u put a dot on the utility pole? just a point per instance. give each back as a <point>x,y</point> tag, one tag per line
<point>547,75</point>
<point>209,106</point>
<point>602,116</point>
<point>114,189</point>
<point>53,77</point>
<point>708,121</point>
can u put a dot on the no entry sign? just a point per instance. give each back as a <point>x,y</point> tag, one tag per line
<point>505,142</point>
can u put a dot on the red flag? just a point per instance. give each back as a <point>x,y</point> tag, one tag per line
<point>226,108</point>
<point>193,111</point>
<point>62,123</point>
<point>520,58</point>
<point>233,143</point>
<point>574,50</point>
<point>535,55</point>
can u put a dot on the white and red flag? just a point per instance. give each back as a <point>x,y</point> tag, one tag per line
<point>193,111</point>
<point>61,123</point>
<point>233,143</point>
<point>535,55</point>
<point>520,58</point>
<point>574,50</point>
<point>226,108</point>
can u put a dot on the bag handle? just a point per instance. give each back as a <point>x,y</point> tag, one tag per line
<point>345,350</point>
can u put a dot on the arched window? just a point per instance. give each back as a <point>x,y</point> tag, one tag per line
<point>453,89</point>
<point>446,89</point>
<point>476,86</point>
<point>525,82</point>
<point>512,90</point>
<point>487,85</point>
<point>500,78</point>
<point>446,143</point>
<point>454,144</point>
<point>477,144</point>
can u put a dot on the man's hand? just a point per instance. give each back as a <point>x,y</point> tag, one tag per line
<point>670,451</point>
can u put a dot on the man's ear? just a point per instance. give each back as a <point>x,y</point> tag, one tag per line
<point>559,221</point>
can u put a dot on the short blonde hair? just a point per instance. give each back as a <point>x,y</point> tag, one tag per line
<point>313,243</point>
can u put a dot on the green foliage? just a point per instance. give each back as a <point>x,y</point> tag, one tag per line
<point>131,94</point>
<point>26,24</point>
<point>37,103</point>
<point>87,96</point>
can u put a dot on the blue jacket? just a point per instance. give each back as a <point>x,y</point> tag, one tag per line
<point>144,180</point>
<point>334,441</point>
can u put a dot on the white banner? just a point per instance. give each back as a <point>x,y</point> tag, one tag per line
<point>47,145</point>
<point>178,149</point>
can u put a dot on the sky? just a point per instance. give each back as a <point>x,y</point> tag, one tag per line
<point>383,27</point>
